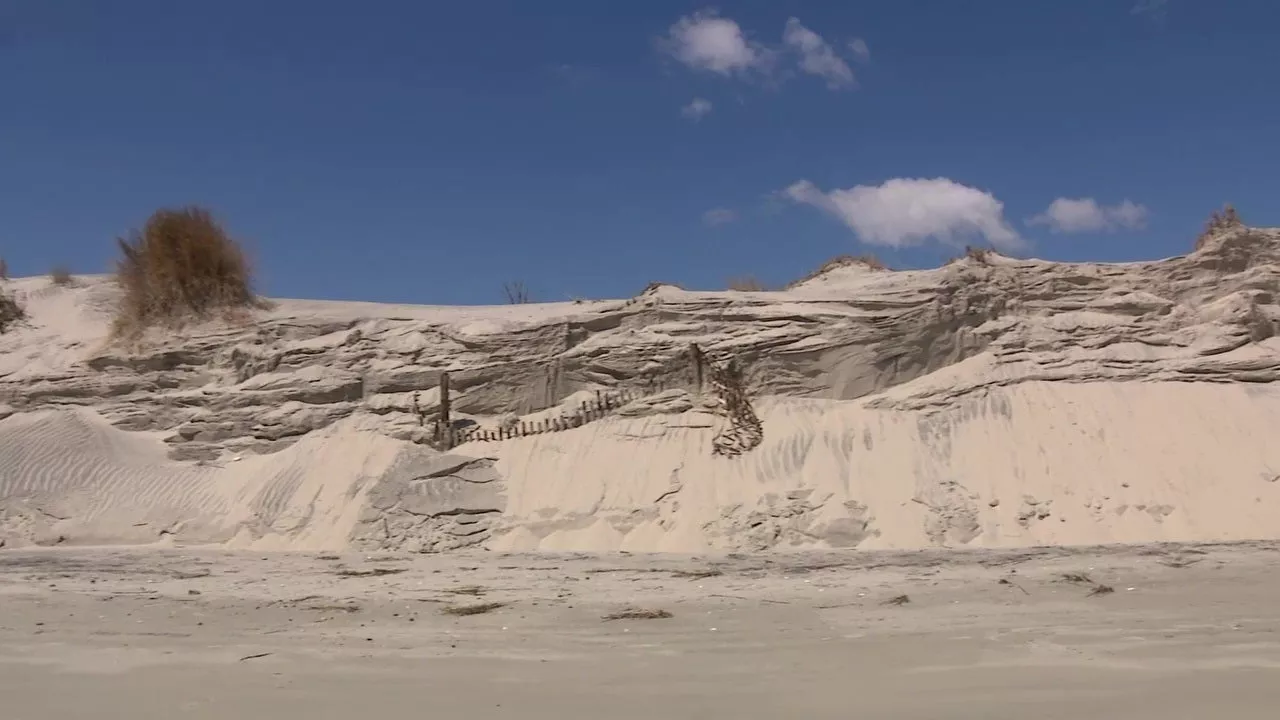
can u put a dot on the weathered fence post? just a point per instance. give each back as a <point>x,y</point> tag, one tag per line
<point>444,400</point>
<point>695,357</point>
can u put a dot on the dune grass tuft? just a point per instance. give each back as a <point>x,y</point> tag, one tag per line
<point>11,311</point>
<point>180,266</point>
<point>61,276</point>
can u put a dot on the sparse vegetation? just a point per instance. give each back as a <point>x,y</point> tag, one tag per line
<point>979,255</point>
<point>516,292</point>
<point>182,265</point>
<point>1219,221</point>
<point>657,284</point>
<point>477,609</point>
<point>11,311</point>
<point>871,262</point>
<point>61,276</point>
<point>746,283</point>
<point>4,269</point>
<point>898,600</point>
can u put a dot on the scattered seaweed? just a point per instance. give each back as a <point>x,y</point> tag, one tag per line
<point>638,614</point>
<point>370,572</point>
<point>476,609</point>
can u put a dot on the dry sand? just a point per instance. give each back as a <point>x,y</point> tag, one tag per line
<point>989,403</point>
<point>940,437</point>
<point>1188,633</point>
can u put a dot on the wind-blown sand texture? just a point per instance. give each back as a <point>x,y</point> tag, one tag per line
<point>992,402</point>
<point>1186,633</point>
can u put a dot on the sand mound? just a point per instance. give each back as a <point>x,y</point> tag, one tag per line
<point>993,401</point>
<point>66,476</point>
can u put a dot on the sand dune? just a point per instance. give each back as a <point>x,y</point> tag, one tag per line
<point>68,476</point>
<point>1036,464</point>
<point>991,402</point>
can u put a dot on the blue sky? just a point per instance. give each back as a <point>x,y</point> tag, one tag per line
<point>429,151</point>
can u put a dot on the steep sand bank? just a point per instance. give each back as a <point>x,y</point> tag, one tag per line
<point>992,402</point>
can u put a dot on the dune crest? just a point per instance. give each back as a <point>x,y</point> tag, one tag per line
<point>990,402</point>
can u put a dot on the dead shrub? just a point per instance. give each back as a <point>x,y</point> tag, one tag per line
<point>871,262</point>
<point>61,276</point>
<point>1227,219</point>
<point>516,292</point>
<point>746,283</point>
<point>4,269</point>
<point>979,255</point>
<point>182,265</point>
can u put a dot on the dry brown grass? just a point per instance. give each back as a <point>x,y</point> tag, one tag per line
<point>869,261</point>
<point>746,283</point>
<point>517,293</point>
<point>1227,219</point>
<point>181,266</point>
<point>979,255</point>
<point>61,276</point>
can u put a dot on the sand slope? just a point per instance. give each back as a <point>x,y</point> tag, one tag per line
<point>991,402</point>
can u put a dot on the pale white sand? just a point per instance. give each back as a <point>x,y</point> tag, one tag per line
<point>1188,633</point>
<point>1017,403</point>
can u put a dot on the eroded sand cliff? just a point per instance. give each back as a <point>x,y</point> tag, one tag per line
<point>990,402</point>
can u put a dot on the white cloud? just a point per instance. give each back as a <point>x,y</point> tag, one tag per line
<point>860,49</point>
<point>706,41</point>
<point>1148,7</point>
<point>718,216</point>
<point>1077,215</point>
<point>910,211</point>
<point>816,56</point>
<point>697,109</point>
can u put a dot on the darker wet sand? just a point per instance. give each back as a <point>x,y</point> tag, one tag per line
<point>1187,632</point>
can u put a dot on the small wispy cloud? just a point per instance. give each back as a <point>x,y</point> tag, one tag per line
<point>1079,215</point>
<point>1149,7</point>
<point>574,75</point>
<point>708,42</point>
<point>697,109</point>
<point>860,49</point>
<point>816,56</point>
<point>705,41</point>
<point>911,211</point>
<point>718,216</point>
<point>1156,11</point>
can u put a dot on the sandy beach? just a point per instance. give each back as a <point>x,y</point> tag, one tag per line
<point>1159,631</point>
<point>1002,488</point>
